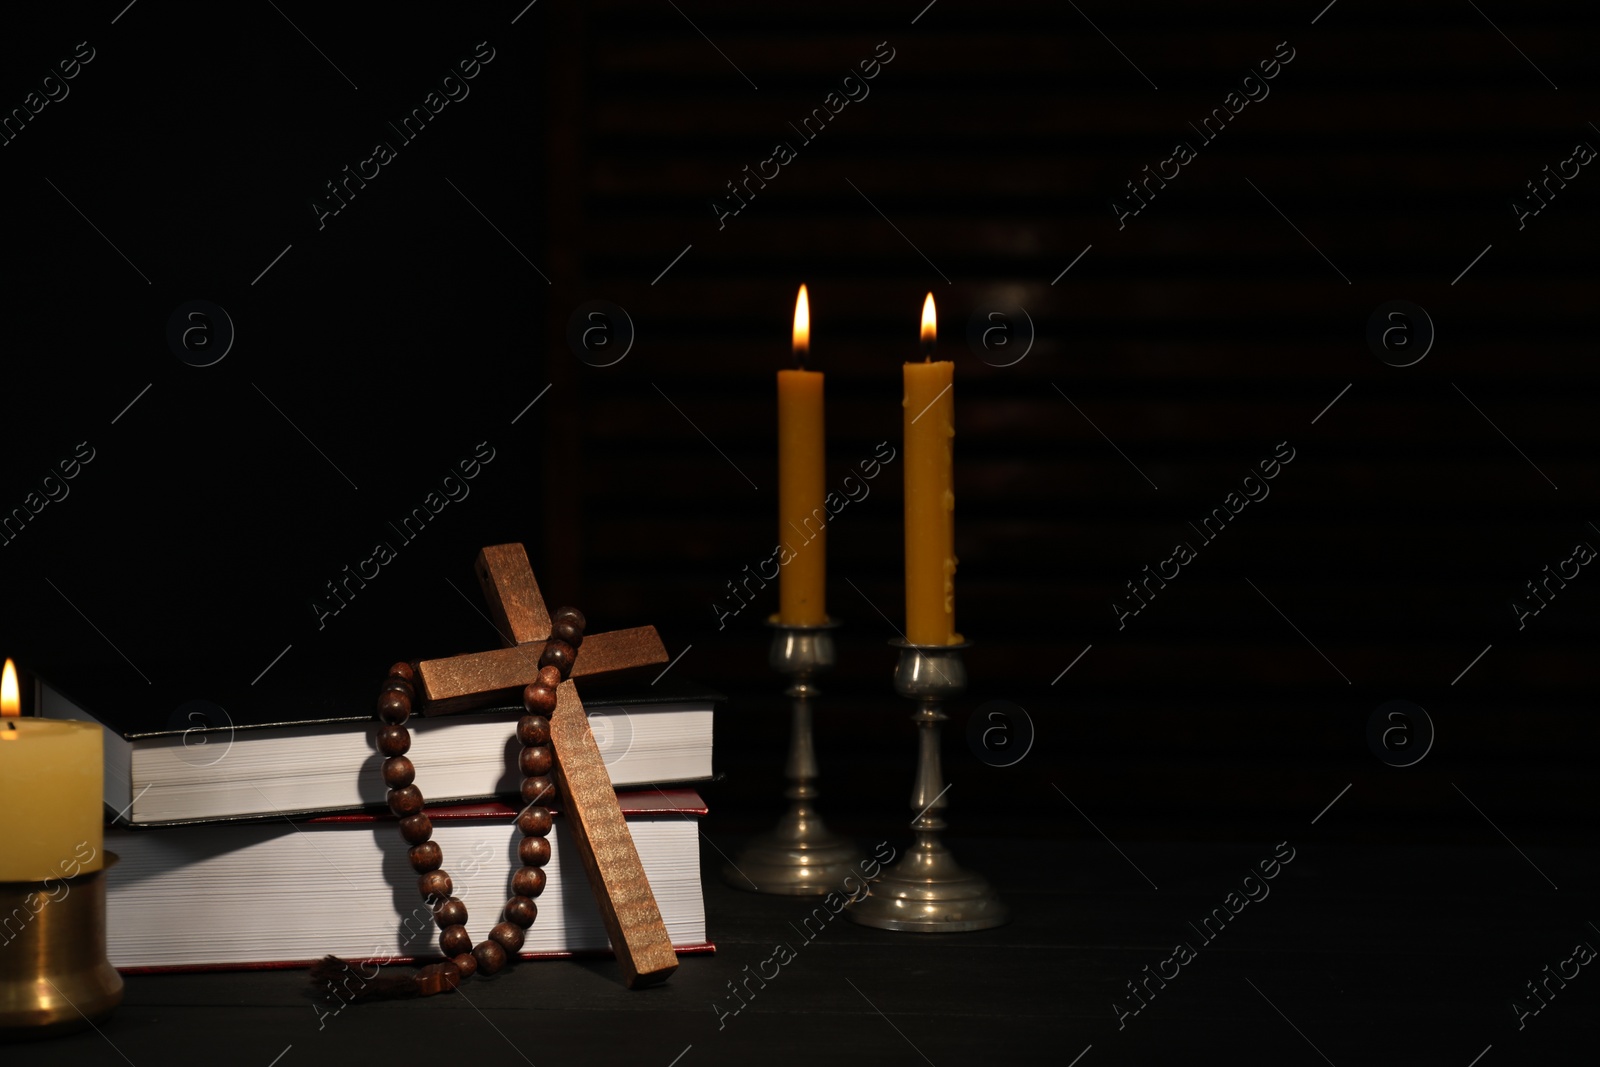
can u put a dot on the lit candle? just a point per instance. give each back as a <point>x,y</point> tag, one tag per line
<point>802,518</point>
<point>930,497</point>
<point>50,784</point>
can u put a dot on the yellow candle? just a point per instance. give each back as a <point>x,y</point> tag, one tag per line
<point>802,518</point>
<point>929,405</point>
<point>50,786</point>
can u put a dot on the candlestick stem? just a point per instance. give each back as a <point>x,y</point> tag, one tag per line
<point>927,891</point>
<point>927,796</point>
<point>801,766</point>
<point>800,856</point>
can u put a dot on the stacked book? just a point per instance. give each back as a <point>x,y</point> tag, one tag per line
<point>283,821</point>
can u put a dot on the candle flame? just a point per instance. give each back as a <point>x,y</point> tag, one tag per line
<point>10,696</point>
<point>930,325</point>
<point>802,327</point>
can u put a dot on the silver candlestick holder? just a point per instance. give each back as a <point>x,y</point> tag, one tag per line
<point>927,891</point>
<point>800,856</point>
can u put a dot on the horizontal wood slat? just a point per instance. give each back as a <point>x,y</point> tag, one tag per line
<point>1190,341</point>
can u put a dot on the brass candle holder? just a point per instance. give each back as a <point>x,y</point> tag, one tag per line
<point>54,975</point>
<point>800,856</point>
<point>927,891</point>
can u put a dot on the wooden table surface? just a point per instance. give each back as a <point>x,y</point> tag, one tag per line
<point>1358,954</point>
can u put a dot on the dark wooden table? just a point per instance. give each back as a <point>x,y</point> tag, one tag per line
<point>1358,954</point>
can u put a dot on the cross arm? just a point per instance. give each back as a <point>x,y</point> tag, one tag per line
<point>463,683</point>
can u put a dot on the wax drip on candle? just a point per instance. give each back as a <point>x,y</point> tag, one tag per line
<point>929,328</point>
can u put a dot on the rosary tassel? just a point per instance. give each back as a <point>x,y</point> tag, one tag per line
<point>337,979</point>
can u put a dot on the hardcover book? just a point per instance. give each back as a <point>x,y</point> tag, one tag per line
<point>202,765</point>
<point>341,884</point>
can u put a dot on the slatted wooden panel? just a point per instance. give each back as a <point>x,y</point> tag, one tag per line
<point>1195,339</point>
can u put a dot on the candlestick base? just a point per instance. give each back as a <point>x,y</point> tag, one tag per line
<point>800,856</point>
<point>927,891</point>
<point>54,976</point>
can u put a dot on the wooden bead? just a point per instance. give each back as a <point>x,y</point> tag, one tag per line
<point>454,940</point>
<point>534,851</point>
<point>538,790</point>
<point>435,884</point>
<point>534,821</point>
<point>539,699</point>
<point>428,856</point>
<point>402,670</point>
<point>533,730</point>
<point>558,654</point>
<point>398,772</point>
<point>467,963</point>
<point>508,936</point>
<point>416,828</point>
<point>438,978</point>
<point>570,613</point>
<point>398,685</point>
<point>522,911</point>
<point>528,882</point>
<point>394,707</point>
<point>491,957</point>
<point>535,760</point>
<point>394,740</point>
<point>451,912</point>
<point>407,800</point>
<point>568,631</point>
<point>550,676</point>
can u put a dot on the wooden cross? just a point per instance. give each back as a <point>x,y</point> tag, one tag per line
<point>460,683</point>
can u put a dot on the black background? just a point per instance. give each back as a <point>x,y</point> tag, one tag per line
<point>1229,315</point>
<point>415,325</point>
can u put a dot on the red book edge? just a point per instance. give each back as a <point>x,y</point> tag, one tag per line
<point>633,804</point>
<point>703,948</point>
